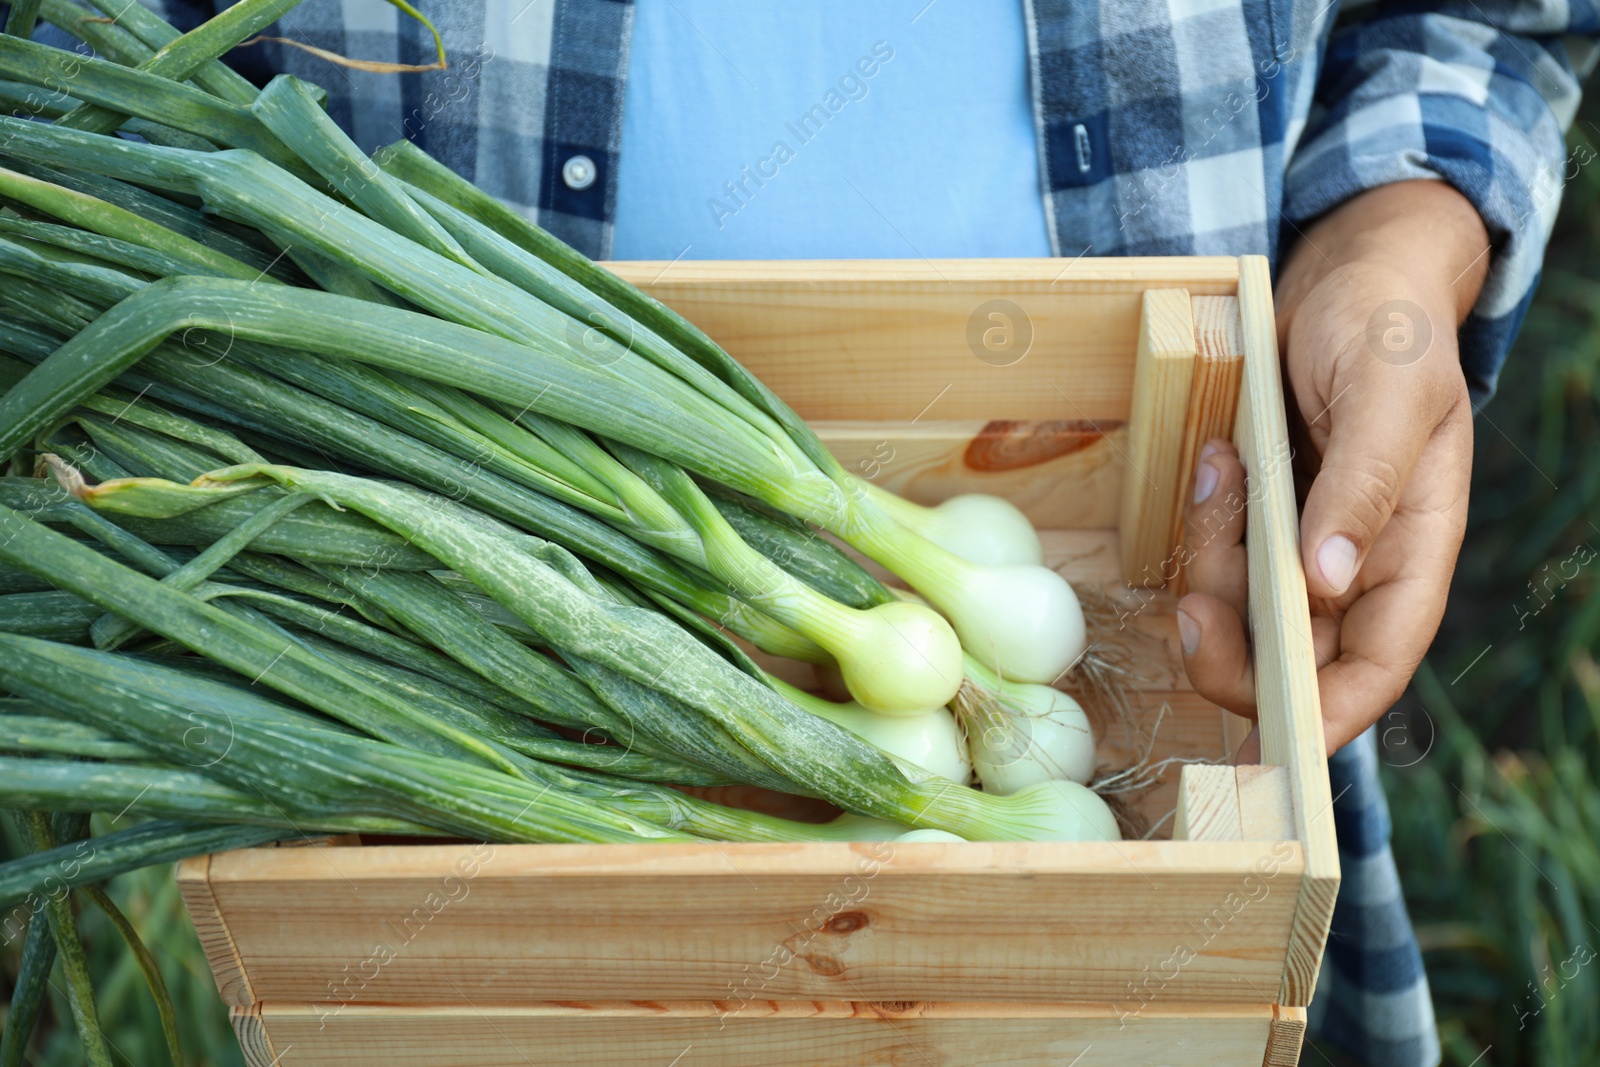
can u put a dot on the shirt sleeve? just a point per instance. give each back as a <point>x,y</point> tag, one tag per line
<point>1478,94</point>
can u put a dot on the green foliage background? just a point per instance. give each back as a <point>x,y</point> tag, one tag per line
<point>1490,759</point>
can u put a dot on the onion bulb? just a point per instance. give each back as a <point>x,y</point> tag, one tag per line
<point>929,835</point>
<point>1056,811</point>
<point>1023,622</point>
<point>978,527</point>
<point>1020,620</point>
<point>896,659</point>
<point>1021,734</point>
<point>928,742</point>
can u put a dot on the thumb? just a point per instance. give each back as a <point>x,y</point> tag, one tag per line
<point>1378,428</point>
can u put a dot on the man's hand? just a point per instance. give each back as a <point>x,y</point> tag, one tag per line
<point>1368,305</point>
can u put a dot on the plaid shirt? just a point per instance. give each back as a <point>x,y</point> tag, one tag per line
<point>1218,129</point>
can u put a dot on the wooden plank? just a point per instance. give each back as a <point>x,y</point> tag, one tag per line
<point>193,876</point>
<point>1266,803</point>
<point>1213,398</point>
<point>1208,805</point>
<point>1163,372</point>
<point>1280,622</point>
<point>815,921</point>
<point>252,1036</point>
<point>1063,473</point>
<point>889,339</point>
<point>774,1034</point>
<point>1285,1037</point>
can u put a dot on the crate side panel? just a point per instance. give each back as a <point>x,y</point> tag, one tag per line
<point>774,1034</point>
<point>1131,922</point>
<point>1003,339</point>
<point>1287,697</point>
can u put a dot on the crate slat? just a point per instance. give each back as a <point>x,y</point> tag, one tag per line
<point>1004,921</point>
<point>1163,374</point>
<point>773,1034</point>
<point>887,339</point>
<point>1288,703</point>
<point>1213,400</point>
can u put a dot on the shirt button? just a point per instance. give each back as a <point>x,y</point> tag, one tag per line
<point>578,172</point>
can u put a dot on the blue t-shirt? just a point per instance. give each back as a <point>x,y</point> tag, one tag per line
<point>851,130</point>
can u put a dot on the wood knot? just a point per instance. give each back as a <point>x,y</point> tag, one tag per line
<point>826,966</point>
<point>847,922</point>
<point>1013,444</point>
<point>894,1007</point>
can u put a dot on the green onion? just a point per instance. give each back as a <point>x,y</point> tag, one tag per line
<point>57,911</point>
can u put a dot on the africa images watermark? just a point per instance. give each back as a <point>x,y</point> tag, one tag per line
<point>55,886</point>
<point>1551,985</point>
<point>1541,595</point>
<point>454,888</point>
<point>1212,923</point>
<point>851,86</point>
<point>452,89</point>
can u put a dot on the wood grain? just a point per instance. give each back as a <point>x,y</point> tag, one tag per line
<point>887,339</point>
<point>1266,803</point>
<point>1208,805</point>
<point>252,1036</point>
<point>1213,398</point>
<point>1163,373</point>
<point>816,921</point>
<point>1280,623</point>
<point>804,1034</point>
<point>193,876</point>
<point>1284,1038</point>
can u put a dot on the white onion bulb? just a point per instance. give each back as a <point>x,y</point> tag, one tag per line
<point>982,529</point>
<point>1023,622</point>
<point>929,835</point>
<point>975,526</point>
<point>1029,734</point>
<point>899,658</point>
<point>1062,811</point>
<point>928,742</point>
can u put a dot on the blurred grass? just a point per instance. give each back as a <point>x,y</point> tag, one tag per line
<point>1490,759</point>
<point>127,1012</point>
<point>1497,827</point>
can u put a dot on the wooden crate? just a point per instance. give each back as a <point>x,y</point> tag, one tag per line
<point>1079,390</point>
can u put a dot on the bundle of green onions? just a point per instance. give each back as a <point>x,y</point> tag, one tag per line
<point>343,498</point>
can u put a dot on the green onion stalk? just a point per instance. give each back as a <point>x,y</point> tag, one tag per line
<point>976,558</point>
<point>258,399</point>
<point>657,389</point>
<point>167,711</point>
<point>648,650</point>
<point>605,429</point>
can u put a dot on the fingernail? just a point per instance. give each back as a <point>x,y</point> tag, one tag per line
<point>1336,559</point>
<point>1188,633</point>
<point>1205,480</point>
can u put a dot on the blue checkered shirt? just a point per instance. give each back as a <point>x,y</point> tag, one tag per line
<point>1164,129</point>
